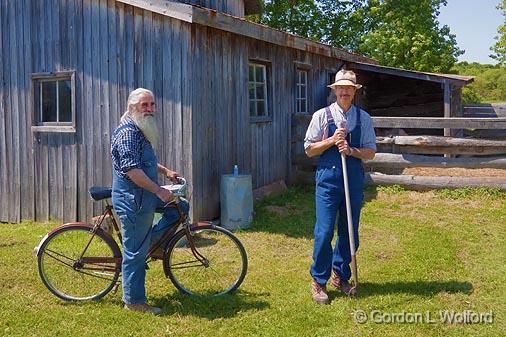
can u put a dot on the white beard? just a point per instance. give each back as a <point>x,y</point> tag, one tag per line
<point>148,126</point>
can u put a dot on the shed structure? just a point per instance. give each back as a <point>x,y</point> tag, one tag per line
<point>225,88</point>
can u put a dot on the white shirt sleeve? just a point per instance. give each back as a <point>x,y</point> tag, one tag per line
<point>368,135</point>
<point>317,129</point>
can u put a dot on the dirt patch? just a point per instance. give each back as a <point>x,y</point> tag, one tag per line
<point>9,242</point>
<point>282,211</point>
<point>454,172</point>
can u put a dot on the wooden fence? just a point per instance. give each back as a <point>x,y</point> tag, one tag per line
<point>399,152</point>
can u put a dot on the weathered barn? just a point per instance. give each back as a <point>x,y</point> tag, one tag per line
<point>225,88</point>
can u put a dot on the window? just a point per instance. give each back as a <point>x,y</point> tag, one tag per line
<point>301,106</point>
<point>258,92</point>
<point>54,100</point>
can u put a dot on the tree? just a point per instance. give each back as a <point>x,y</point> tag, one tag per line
<point>499,48</point>
<point>328,21</point>
<point>406,34</point>
<point>398,33</point>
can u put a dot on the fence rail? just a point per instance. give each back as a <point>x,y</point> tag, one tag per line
<point>399,152</point>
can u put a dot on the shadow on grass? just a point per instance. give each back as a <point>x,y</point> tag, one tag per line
<point>210,307</point>
<point>419,288</point>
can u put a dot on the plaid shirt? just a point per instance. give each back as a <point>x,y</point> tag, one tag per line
<point>126,147</point>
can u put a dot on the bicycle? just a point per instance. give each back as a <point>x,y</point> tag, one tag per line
<point>81,261</point>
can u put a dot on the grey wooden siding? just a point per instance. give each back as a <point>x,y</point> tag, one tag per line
<point>200,79</point>
<point>223,133</point>
<point>112,48</point>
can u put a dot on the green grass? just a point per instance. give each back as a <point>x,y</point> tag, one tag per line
<point>420,253</point>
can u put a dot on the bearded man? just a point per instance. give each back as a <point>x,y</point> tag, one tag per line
<point>136,193</point>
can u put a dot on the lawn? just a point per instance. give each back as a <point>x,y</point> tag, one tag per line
<point>424,256</point>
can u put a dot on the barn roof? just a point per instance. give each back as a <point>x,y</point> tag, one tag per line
<point>458,80</point>
<point>211,18</point>
<point>222,21</point>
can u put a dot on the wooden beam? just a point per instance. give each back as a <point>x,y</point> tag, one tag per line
<point>446,141</point>
<point>424,122</point>
<point>414,182</point>
<point>427,182</point>
<point>439,123</point>
<point>390,160</point>
<point>447,105</point>
<point>176,10</point>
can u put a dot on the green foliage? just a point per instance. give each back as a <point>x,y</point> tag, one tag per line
<point>499,48</point>
<point>406,34</point>
<point>329,21</point>
<point>489,83</point>
<point>397,33</point>
<point>391,189</point>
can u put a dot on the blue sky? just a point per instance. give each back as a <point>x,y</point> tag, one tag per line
<point>475,23</point>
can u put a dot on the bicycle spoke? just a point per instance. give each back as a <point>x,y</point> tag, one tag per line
<point>222,268</point>
<point>75,279</point>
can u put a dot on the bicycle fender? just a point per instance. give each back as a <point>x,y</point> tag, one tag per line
<point>36,249</point>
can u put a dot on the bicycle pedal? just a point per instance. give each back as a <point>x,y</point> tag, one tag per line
<point>115,289</point>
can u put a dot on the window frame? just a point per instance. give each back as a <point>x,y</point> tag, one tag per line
<point>37,124</point>
<point>302,67</point>
<point>267,66</point>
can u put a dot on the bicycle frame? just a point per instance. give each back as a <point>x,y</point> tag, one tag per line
<point>166,237</point>
<point>92,250</point>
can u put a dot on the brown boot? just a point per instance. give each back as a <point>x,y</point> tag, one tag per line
<point>341,284</point>
<point>319,293</point>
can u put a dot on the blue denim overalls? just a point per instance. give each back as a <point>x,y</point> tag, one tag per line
<point>330,199</point>
<point>135,207</point>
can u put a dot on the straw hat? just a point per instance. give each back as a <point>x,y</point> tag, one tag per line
<point>345,77</point>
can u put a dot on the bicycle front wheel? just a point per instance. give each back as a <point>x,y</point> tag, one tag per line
<point>215,264</point>
<point>76,264</point>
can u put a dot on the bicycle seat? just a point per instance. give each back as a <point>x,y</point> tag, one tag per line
<point>98,193</point>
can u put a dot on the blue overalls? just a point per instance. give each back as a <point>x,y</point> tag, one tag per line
<point>135,208</point>
<point>330,199</point>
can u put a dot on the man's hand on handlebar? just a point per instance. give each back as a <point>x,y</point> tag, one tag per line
<point>172,175</point>
<point>165,195</point>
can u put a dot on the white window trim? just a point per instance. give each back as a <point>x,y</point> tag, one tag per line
<point>267,117</point>
<point>301,86</point>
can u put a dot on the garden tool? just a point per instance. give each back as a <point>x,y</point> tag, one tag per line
<point>351,234</point>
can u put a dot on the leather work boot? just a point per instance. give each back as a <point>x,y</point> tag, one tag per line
<point>143,307</point>
<point>319,293</point>
<point>340,284</point>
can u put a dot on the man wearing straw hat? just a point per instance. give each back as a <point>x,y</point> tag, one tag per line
<point>341,128</point>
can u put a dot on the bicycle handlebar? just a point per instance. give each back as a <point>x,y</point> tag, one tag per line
<point>179,188</point>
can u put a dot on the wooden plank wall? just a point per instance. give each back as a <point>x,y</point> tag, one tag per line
<point>200,79</point>
<point>113,48</point>
<point>224,134</point>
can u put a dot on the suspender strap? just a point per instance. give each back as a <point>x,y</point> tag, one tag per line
<point>330,119</point>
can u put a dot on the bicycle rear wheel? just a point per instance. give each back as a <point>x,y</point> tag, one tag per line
<point>75,264</point>
<point>220,270</point>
